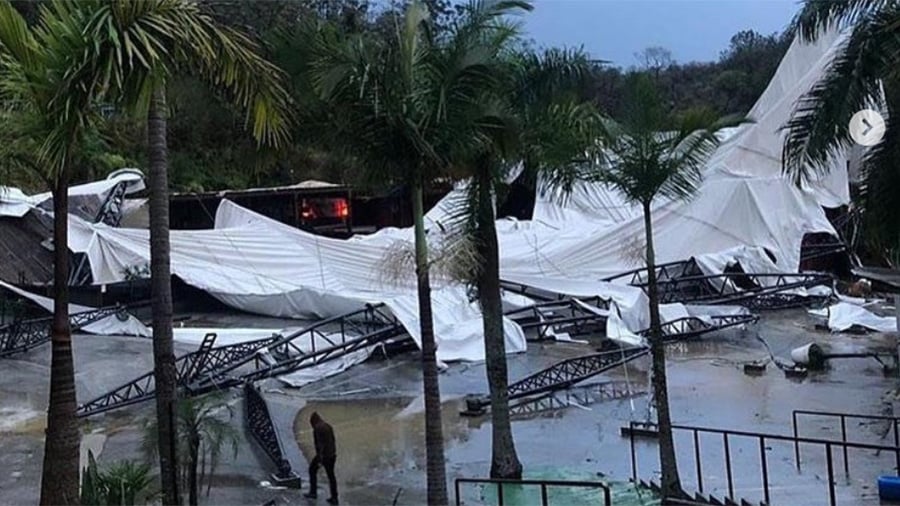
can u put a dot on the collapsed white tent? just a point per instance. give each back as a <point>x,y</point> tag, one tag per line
<point>745,210</point>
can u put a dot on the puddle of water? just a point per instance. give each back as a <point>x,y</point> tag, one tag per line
<point>621,493</point>
<point>377,437</point>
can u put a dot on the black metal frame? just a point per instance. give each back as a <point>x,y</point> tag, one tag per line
<point>259,422</point>
<point>189,368</point>
<point>607,494</point>
<point>667,270</point>
<point>22,335</point>
<point>370,326</point>
<point>571,371</point>
<point>213,368</point>
<point>691,327</point>
<point>761,437</point>
<point>565,315</point>
<point>584,395</point>
<point>755,290</point>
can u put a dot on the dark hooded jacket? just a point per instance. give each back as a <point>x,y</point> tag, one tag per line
<point>323,436</point>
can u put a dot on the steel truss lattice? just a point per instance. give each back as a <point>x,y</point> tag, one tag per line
<point>20,336</point>
<point>211,368</point>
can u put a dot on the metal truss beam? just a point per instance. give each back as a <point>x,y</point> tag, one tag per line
<point>568,372</point>
<point>571,316</point>
<point>581,396</point>
<point>752,290</point>
<point>691,327</point>
<point>20,336</point>
<point>211,368</point>
<point>189,368</point>
<point>668,270</point>
<point>327,340</point>
<point>259,422</point>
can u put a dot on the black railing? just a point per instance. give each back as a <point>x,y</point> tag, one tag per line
<point>797,413</point>
<point>761,437</point>
<point>543,484</point>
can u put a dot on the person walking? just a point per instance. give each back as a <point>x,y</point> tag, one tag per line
<point>326,455</point>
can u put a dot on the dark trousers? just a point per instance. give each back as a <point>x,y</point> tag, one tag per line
<point>328,464</point>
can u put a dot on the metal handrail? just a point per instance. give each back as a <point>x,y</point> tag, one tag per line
<point>607,494</point>
<point>797,413</point>
<point>762,438</point>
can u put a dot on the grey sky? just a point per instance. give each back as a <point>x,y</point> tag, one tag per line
<point>694,30</point>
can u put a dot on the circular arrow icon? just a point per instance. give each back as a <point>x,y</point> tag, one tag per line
<point>867,127</point>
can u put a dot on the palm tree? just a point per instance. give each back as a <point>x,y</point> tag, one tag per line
<point>402,103</point>
<point>530,117</point>
<point>136,47</point>
<point>649,155</point>
<point>863,66</point>
<point>34,62</point>
<point>202,437</point>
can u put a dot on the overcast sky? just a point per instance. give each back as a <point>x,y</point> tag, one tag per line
<point>694,30</point>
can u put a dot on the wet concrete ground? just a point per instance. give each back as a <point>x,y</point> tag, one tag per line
<point>377,412</point>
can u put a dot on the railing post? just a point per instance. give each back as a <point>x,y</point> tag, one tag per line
<point>607,499</point>
<point>634,472</point>
<point>796,443</point>
<point>831,498</point>
<point>844,440</point>
<point>764,467</point>
<point>456,489</point>
<point>728,466</point>
<point>897,445</point>
<point>544,500</point>
<point>499,493</point>
<point>697,461</point>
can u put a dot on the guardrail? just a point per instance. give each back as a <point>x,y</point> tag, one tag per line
<point>544,484</point>
<point>797,413</point>
<point>761,437</point>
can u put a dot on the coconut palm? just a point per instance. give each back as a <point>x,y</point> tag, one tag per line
<point>404,102</point>
<point>52,119</point>
<point>651,155</point>
<point>136,47</point>
<point>864,65</point>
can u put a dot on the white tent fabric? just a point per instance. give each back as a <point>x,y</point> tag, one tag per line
<point>259,265</point>
<point>745,211</point>
<point>843,316</point>
<point>15,203</point>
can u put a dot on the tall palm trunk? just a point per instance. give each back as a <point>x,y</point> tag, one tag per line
<point>671,483</point>
<point>59,480</point>
<point>434,437</point>
<point>193,481</point>
<point>504,461</point>
<point>161,288</point>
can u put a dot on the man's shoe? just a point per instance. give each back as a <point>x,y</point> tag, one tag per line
<point>310,495</point>
<point>333,501</point>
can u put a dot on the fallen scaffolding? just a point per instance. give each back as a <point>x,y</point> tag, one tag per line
<point>581,396</point>
<point>20,336</point>
<point>559,376</point>
<point>571,316</point>
<point>212,368</point>
<point>753,290</point>
<point>189,369</point>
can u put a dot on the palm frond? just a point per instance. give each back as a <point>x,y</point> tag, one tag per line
<point>818,127</point>
<point>818,15</point>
